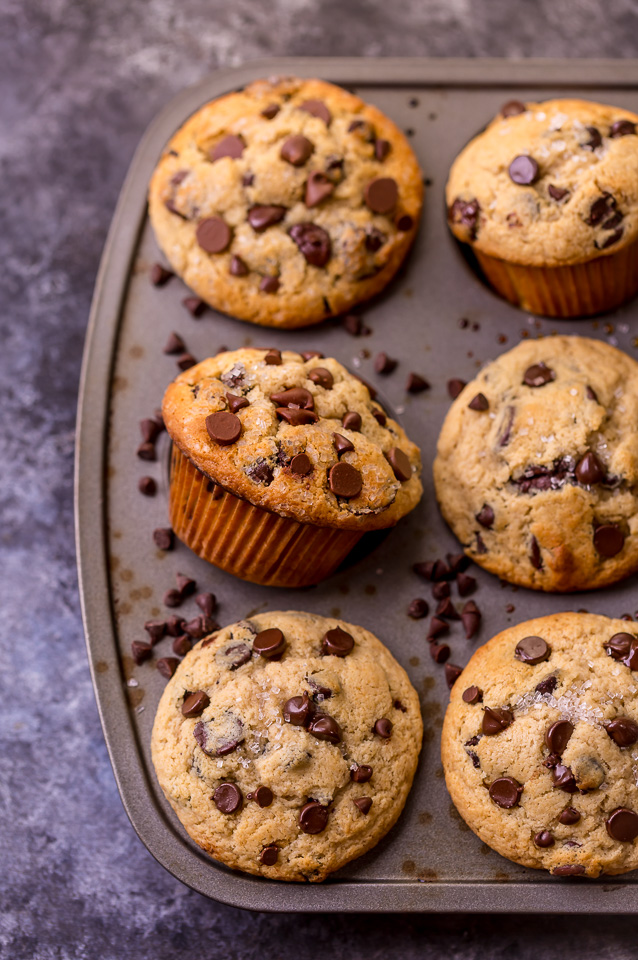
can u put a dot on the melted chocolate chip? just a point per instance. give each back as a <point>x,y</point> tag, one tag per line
<point>622,825</point>
<point>623,731</point>
<point>297,150</point>
<point>299,710</point>
<point>523,170</point>
<point>535,557</point>
<point>337,643</point>
<point>485,516</point>
<point>589,470</point>
<point>223,428</point>
<point>295,397</point>
<point>538,375</point>
<point>322,377</point>
<point>301,465</point>
<point>317,108</point>
<point>313,817</point>
<point>261,217</point>
<point>532,650</point>
<point>360,773</point>
<point>544,839</point>
<point>318,189</point>
<point>557,193</point>
<point>595,139</point>
<point>325,728</point>
<point>227,797</point>
<point>601,209</point>
<point>563,778</point>
<point>383,728</point>
<point>558,735</point>
<point>295,416</point>
<point>269,855</point>
<point>345,480</point>
<point>466,213</point>
<point>271,111</point>
<point>569,870</point>
<point>608,539</point>
<point>569,816</point>
<point>622,128</point>
<point>495,720</point>
<point>473,695</point>
<point>230,146</point>
<point>195,703</point>
<point>313,243</point>
<point>505,792</point>
<point>269,644</point>
<point>269,284</point>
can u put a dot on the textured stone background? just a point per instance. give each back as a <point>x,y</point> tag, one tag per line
<point>80,81</point>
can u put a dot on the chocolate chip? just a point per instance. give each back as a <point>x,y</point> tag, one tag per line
<point>381,149</point>
<point>452,673</point>
<point>400,463</point>
<point>313,243</point>
<point>416,384</point>
<point>432,570</point>
<point>271,111</point>
<point>532,650</point>
<point>156,629</point>
<point>558,735</point>
<point>441,590</point>
<point>595,139</point>
<point>381,195</point>
<point>353,324</point>
<point>325,728</point>
<point>186,361</point>
<point>195,703</point>
<point>223,428</point>
<point>363,804</point>
<point>589,470</point>
<point>236,403</point>
<point>164,538</point>
<point>384,364</point>
<point>455,387</point>
<point>623,731</point>
<point>374,239</point>
<point>167,666</point>
<point>505,792</point>
<point>352,421</point>
<point>174,626</point>
<point>230,146</point>
<point>622,128</point>
<point>207,603</point>
<point>213,234</point>
<point>479,402</point>
<point>299,710</point>
<point>609,241</point>
<point>538,375</point>
<point>227,797</point>
<point>418,608</point>
<point>269,855</point>
<point>563,778</point>
<point>383,728</point>
<point>160,275</point>
<point>480,546</point>
<point>404,223</point>
<point>439,652</point>
<point>295,416</point>
<point>446,608</point>
<point>297,150</point>
<point>317,108</point>
<point>622,825</point>
<point>235,655</point>
<point>471,619</point>
<point>438,628</point>
<point>294,397</point>
<point>322,377</point>
<point>173,598</point>
<point>146,451</point>
<point>512,108</point>
<point>194,305</point>
<point>269,644</point>
<point>360,773</point>
<point>260,217</point>
<point>557,193</point>
<point>465,584</point>
<point>609,539</point>
<point>621,646</point>
<point>495,720</point>
<point>140,651</point>
<point>466,213</point>
<point>569,870</point>
<point>147,486</point>
<point>301,465</point>
<point>523,170</point>
<point>473,695</point>
<point>313,817</point>
<point>485,516</point>
<point>175,344</point>
<point>569,816</point>
<point>380,417</point>
<point>318,189</point>
<point>544,839</point>
<point>341,444</point>
<point>345,480</point>
<point>457,563</point>
<point>196,628</point>
<point>535,557</point>
<point>337,643</point>
<point>238,267</point>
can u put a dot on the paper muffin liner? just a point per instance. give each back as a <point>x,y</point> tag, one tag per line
<point>581,290</point>
<point>251,543</point>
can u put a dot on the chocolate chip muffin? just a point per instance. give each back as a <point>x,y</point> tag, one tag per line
<point>537,465</point>
<point>287,744</point>
<point>540,744</point>
<point>281,461</point>
<point>547,196</point>
<point>286,202</point>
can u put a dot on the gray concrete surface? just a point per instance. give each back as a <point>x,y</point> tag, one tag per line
<point>80,80</point>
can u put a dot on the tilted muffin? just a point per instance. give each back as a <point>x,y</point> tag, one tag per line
<point>287,744</point>
<point>547,196</point>
<point>303,462</point>
<point>540,744</point>
<point>537,465</point>
<point>286,202</point>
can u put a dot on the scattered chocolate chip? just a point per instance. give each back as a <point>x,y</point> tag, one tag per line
<point>269,855</point>
<point>156,629</point>
<point>563,778</point>
<point>301,465</point>
<point>381,195</point>
<point>473,695</point>
<point>495,720</point>
<point>174,626</point>
<point>532,650</point>
<point>345,480</point>
<point>595,139</point>
<point>147,486</point>
<point>446,609</point>
<point>512,108</point>
<point>186,361</point>
<point>173,598</point>
<point>196,628</point>
<point>441,590</point>
<point>213,234</point>
<point>363,804</point>
<point>227,797</point>
<point>471,619</point>
<point>325,728</point>
<point>182,645</point>
<point>622,128</point>
<point>167,666</point>
<point>569,816</point>
<point>384,364</point>
<point>175,344</point>
<point>194,305</point>
<point>322,377</point>
<point>360,773</point>
<point>230,146</point>
<point>455,387</point>
<point>557,193</point>
<point>317,108</point>
<point>195,703</point>
<point>622,825</point>
<point>523,170</point>
<point>479,402</point>
<point>485,516</point>
<point>535,557</point>
<point>271,111</point>
<point>353,325</point>
<point>313,817</point>
<point>238,267</point>
<point>609,539</point>
<point>438,628</point>
<point>538,375</point>
<point>269,644</point>
<point>297,150</point>
<point>465,584</point>
<point>452,673</point>
<point>146,451</point>
<point>418,608</point>
<point>160,275</point>
<point>299,710</point>
<point>439,652</point>
<point>140,651</point>
<point>416,384</point>
<point>505,792</point>
<point>457,563</point>
<point>207,603</point>
<point>313,243</point>
<point>318,189</point>
<point>623,731</point>
<point>223,428</point>
<point>164,538</point>
<point>383,728</point>
<point>260,217</point>
<point>589,470</point>
<point>544,839</point>
<point>558,735</point>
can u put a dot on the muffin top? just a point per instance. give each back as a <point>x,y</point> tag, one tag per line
<point>286,202</point>
<point>548,184</point>
<point>297,435</point>
<point>537,465</point>
<point>287,743</point>
<point>540,744</point>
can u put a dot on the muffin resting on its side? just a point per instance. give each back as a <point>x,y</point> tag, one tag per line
<point>287,744</point>
<point>281,461</point>
<point>286,202</point>
<point>547,196</point>
<point>537,465</point>
<point>540,744</point>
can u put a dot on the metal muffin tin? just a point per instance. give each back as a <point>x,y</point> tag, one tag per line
<point>439,320</point>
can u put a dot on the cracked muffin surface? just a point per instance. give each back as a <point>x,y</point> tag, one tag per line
<point>286,202</point>
<point>287,744</point>
<point>540,744</point>
<point>548,184</point>
<point>537,465</point>
<point>298,437</point>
